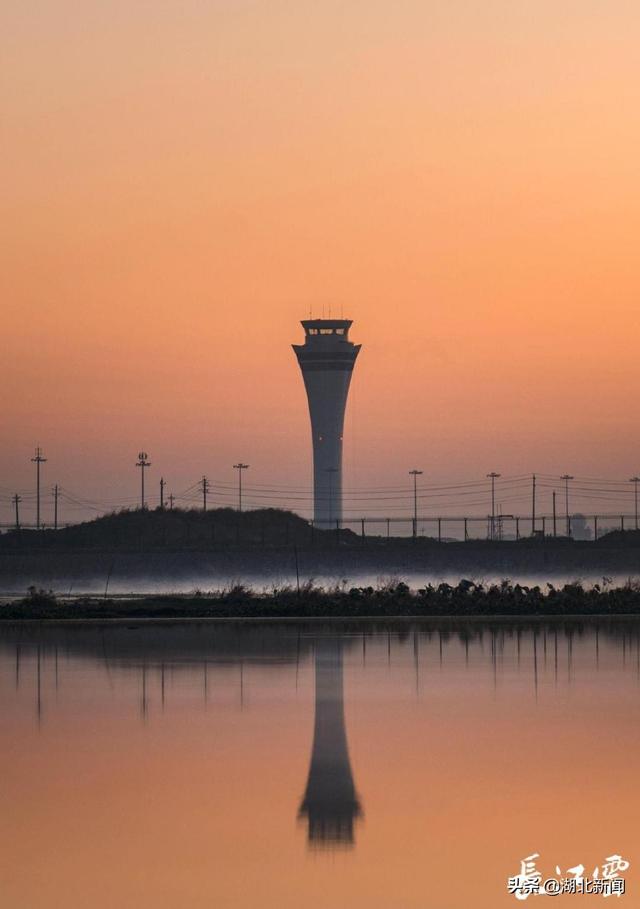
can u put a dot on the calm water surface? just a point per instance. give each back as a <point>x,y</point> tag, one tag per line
<point>399,766</point>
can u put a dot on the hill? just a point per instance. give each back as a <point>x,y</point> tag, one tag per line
<point>173,529</point>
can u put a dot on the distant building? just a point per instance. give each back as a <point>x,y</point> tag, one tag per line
<point>326,360</point>
<point>579,529</point>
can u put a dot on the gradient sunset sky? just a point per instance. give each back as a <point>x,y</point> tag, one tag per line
<point>184,181</point>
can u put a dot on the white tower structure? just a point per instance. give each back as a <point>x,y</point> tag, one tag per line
<point>326,359</point>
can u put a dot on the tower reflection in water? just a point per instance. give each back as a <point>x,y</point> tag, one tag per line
<point>330,802</point>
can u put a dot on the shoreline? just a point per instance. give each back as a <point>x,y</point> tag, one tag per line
<point>466,600</point>
<point>134,621</point>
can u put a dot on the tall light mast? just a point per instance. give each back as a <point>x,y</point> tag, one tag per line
<point>38,460</point>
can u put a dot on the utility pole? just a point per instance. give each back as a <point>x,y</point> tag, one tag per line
<point>171,501</point>
<point>331,471</point>
<point>38,460</point>
<point>566,477</point>
<point>635,481</point>
<point>415,474</point>
<point>142,462</point>
<point>240,467</point>
<point>56,493</point>
<point>162,485</point>
<point>16,501</point>
<point>555,533</point>
<point>204,484</point>
<point>493,477</point>
<point>533,506</point>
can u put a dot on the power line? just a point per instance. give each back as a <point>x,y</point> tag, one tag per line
<point>442,498</point>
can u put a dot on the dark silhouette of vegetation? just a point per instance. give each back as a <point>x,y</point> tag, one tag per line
<point>467,598</point>
<point>38,598</point>
<point>175,529</point>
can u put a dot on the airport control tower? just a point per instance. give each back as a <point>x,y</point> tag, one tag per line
<point>326,359</point>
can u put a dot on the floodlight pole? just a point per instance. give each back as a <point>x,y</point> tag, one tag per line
<point>142,462</point>
<point>38,460</point>
<point>240,467</point>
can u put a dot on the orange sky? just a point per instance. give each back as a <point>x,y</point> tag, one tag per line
<point>184,181</point>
